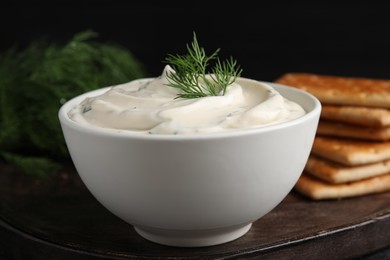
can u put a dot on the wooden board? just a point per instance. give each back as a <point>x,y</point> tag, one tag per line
<point>57,218</point>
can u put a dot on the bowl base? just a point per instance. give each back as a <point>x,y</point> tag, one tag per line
<point>192,238</point>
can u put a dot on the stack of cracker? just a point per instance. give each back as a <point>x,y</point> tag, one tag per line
<point>351,151</point>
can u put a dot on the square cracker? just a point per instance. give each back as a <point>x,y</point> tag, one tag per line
<point>364,116</point>
<point>337,173</point>
<point>341,90</point>
<point>319,190</point>
<point>336,129</point>
<point>349,151</point>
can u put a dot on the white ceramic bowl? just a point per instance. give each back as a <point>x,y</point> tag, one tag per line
<point>193,190</point>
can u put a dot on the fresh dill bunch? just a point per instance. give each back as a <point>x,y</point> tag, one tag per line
<point>190,73</point>
<point>35,81</point>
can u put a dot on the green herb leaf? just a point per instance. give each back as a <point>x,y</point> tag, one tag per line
<point>191,76</point>
<point>32,165</point>
<point>37,80</point>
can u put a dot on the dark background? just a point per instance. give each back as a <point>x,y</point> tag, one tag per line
<point>268,38</point>
<point>348,38</point>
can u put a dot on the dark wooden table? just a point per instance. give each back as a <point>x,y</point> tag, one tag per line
<point>57,218</point>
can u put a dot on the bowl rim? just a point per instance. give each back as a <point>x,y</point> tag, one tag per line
<point>69,104</point>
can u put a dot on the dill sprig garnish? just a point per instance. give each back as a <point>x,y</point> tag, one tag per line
<point>190,73</point>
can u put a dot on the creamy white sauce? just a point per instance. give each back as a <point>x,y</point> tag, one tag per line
<point>150,106</point>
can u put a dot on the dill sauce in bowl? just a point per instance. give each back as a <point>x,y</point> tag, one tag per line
<point>200,178</point>
<point>150,106</point>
